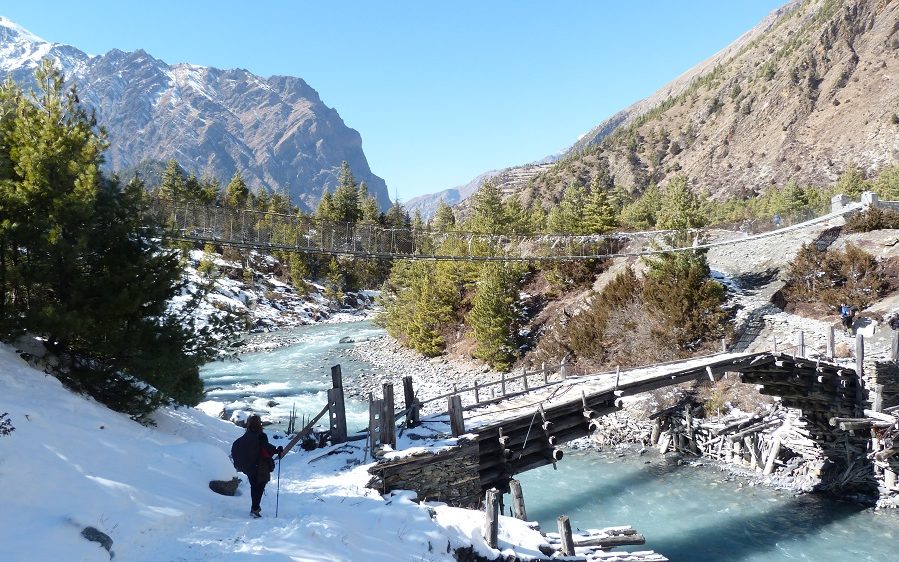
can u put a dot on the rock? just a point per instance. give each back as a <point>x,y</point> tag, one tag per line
<point>346,339</point>
<point>96,535</point>
<point>224,487</point>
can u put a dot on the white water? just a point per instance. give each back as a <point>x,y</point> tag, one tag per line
<point>686,513</point>
<point>271,383</point>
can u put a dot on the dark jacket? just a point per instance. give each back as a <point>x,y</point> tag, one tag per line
<point>252,454</point>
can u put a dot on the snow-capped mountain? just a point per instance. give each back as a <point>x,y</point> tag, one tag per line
<point>276,130</point>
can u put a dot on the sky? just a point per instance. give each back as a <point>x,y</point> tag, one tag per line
<point>440,91</point>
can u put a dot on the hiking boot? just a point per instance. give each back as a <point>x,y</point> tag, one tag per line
<point>257,513</point>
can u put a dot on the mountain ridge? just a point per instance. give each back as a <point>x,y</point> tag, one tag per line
<point>276,131</point>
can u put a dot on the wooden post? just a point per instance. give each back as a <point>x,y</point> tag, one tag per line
<point>831,346</point>
<point>688,418</point>
<point>412,417</point>
<point>503,383</point>
<point>723,345</point>
<point>774,340</point>
<point>337,415</point>
<point>477,395</point>
<point>617,375</point>
<point>562,373</point>
<point>656,431</point>
<point>545,374</point>
<point>388,416</point>
<point>860,370</point>
<point>524,377</point>
<point>565,534</point>
<point>877,400</point>
<point>457,421</point>
<point>894,345</point>
<point>336,406</point>
<point>800,348</point>
<point>518,510</point>
<point>772,456</point>
<point>336,377</point>
<point>374,422</point>
<point>491,507</point>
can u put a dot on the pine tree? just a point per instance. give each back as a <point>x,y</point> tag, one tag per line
<point>335,282</point>
<point>193,190</point>
<point>172,186</point>
<point>237,193</point>
<point>325,210</point>
<point>680,208</point>
<point>346,197</point>
<point>568,216</point>
<point>444,219</point>
<point>599,215</point>
<point>488,214</point>
<point>677,290</point>
<point>370,212</point>
<point>493,315</point>
<point>643,212</point>
<point>397,217</point>
<point>852,182</point>
<point>80,265</point>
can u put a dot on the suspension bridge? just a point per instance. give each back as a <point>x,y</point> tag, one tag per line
<point>273,231</point>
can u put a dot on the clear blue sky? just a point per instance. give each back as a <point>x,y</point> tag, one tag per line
<point>440,91</point>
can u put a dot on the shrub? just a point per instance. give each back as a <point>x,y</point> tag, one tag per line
<point>6,426</point>
<point>833,277</point>
<point>872,219</point>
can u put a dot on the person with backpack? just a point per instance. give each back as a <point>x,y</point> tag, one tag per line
<point>253,455</point>
<point>846,316</point>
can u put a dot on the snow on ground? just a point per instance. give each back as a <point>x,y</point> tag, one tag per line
<point>71,463</point>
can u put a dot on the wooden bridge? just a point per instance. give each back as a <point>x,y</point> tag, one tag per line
<point>517,423</point>
<point>273,231</point>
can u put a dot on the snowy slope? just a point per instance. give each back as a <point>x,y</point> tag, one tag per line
<point>72,463</point>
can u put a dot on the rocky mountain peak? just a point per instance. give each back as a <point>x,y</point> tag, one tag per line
<point>276,131</point>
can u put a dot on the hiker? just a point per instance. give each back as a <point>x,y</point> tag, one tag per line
<point>255,457</point>
<point>894,321</point>
<point>846,314</point>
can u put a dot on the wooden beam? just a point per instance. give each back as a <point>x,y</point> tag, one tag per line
<point>565,534</point>
<point>491,526</point>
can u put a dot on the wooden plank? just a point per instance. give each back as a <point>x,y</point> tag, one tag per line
<point>413,417</point>
<point>772,456</point>
<point>303,432</point>
<point>831,346</point>
<point>374,422</point>
<point>859,368</point>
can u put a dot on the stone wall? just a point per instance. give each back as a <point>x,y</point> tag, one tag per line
<point>449,475</point>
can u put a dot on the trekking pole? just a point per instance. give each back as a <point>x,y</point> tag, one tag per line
<point>278,488</point>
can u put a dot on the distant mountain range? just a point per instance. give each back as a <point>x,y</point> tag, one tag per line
<point>276,131</point>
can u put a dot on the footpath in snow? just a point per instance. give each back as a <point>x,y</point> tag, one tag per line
<point>71,463</point>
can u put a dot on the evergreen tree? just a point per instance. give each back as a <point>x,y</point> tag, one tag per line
<point>262,201</point>
<point>397,217</point>
<point>852,182</point>
<point>172,186</point>
<point>642,212</point>
<point>488,214</point>
<point>193,190</point>
<point>678,292</point>
<point>492,316</point>
<point>887,183</point>
<point>325,210</point>
<point>78,265</point>
<point>680,208</point>
<point>346,197</point>
<point>568,216</point>
<point>336,282</point>
<point>444,219</point>
<point>237,193</point>
<point>370,212</point>
<point>210,189</point>
<point>599,215</point>
<point>418,223</point>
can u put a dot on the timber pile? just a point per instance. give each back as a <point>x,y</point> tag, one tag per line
<point>590,545</point>
<point>775,441</point>
<point>884,454</point>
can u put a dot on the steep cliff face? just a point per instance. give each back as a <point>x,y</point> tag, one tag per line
<point>276,131</point>
<point>811,90</point>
